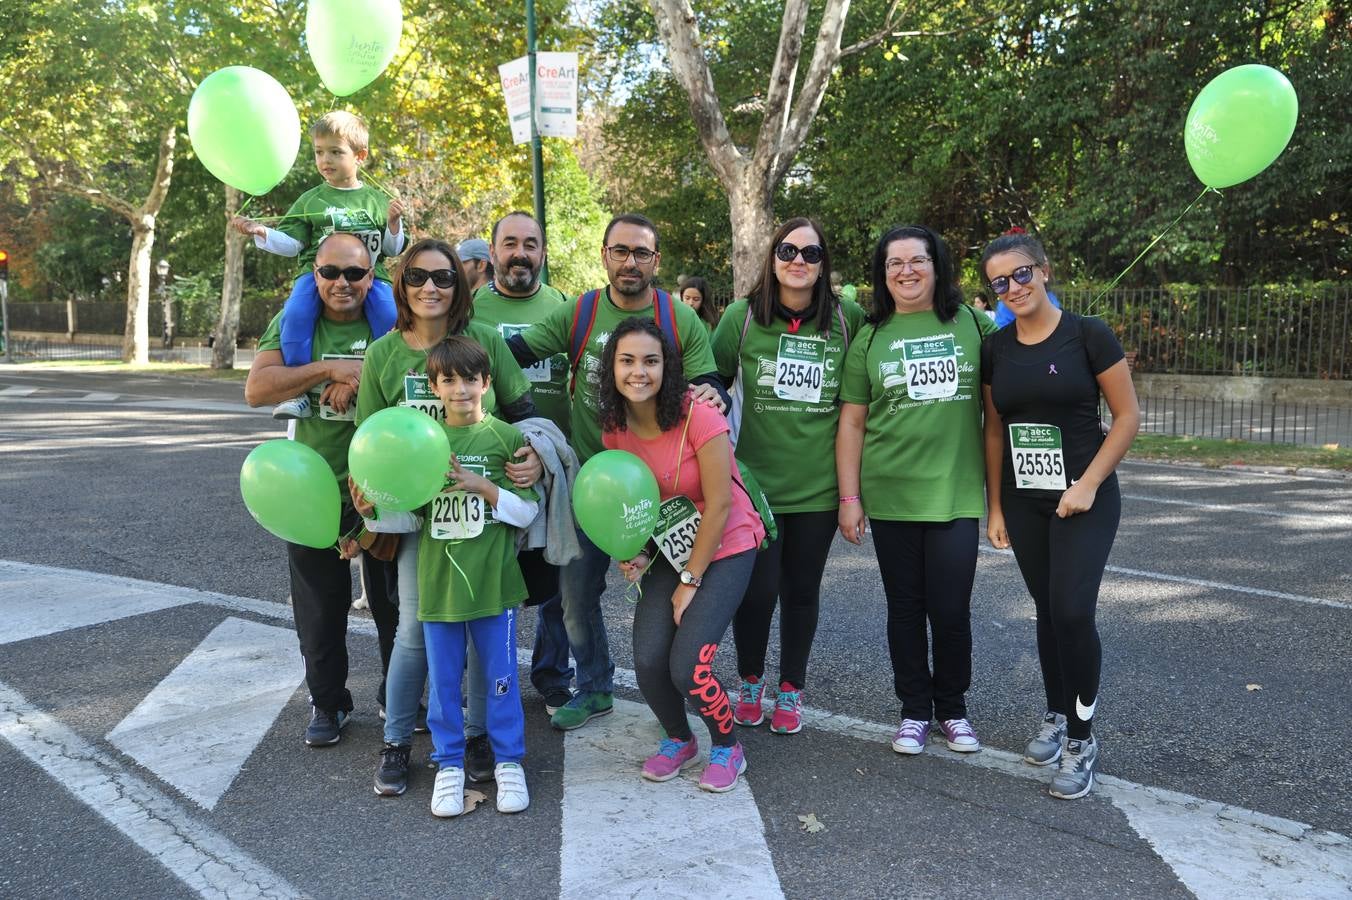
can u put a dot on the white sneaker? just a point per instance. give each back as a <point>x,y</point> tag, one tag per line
<point>512,794</point>
<point>448,793</point>
<point>295,408</point>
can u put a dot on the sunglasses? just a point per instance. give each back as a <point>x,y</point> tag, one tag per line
<point>353,274</point>
<point>812,253</point>
<point>1022,275</point>
<point>442,278</point>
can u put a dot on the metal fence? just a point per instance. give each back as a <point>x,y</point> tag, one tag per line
<point>1246,420</point>
<point>1276,332</point>
<point>31,350</point>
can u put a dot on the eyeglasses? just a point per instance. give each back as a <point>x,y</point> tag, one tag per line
<point>619,253</point>
<point>353,274</point>
<point>442,278</point>
<point>812,253</point>
<point>899,265</point>
<point>1022,275</point>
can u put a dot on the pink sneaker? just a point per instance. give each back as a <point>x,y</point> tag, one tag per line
<point>670,759</point>
<point>911,736</point>
<point>748,710</point>
<point>959,735</point>
<point>788,717</point>
<point>725,764</point>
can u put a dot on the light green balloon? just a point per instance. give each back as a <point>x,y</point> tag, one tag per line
<point>1239,124</point>
<point>616,502</point>
<point>352,41</point>
<point>244,128</point>
<point>290,490</point>
<point>399,458</point>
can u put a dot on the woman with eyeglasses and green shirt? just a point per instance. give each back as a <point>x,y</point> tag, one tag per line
<point>1052,486</point>
<point>432,301</point>
<point>782,350</point>
<point>909,463</point>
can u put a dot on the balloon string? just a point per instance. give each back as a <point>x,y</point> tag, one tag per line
<point>456,566</point>
<point>240,211</point>
<point>633,592</point>
<point>375,183</point>
<point>1112,284</point>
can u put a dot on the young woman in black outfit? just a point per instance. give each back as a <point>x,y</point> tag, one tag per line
<point>1052,487</point>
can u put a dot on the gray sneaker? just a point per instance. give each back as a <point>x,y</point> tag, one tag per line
<point>295,408</point>
<point>1076,775</point>
<point>1045,747</point>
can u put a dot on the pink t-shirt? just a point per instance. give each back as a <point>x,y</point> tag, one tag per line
<point>744,530</point>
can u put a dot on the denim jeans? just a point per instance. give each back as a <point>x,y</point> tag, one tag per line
<point>583,581</point>
<point>408,660</point>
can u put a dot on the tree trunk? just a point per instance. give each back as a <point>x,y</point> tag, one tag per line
<point>136,337</point>
<point>232,288</point>
<point>752,214</point>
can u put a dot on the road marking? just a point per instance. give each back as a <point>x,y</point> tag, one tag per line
<point>1204,583</point>
<point>204,860</point>
<point>97,397</point>
<point>1321,519</point>
<point>1218,851</point>
<point>199,725</point>
<point>626,837</point>
<point>1236,473</point>
<point>18,390</point>
<point>36,600</point>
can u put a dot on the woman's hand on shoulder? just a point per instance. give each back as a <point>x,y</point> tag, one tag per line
<point>529,470</point>
<point>705,393</point>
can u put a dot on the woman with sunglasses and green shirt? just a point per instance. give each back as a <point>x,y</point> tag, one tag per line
<point>782,350</point>
<point>432,301</point>
<point>909,460</point>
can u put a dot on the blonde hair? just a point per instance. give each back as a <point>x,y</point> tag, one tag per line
<point>344,126</point>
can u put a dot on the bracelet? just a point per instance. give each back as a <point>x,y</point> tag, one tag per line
<point>854,499</point>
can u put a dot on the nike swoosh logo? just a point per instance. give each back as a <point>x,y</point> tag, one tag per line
<point>1085,713</point>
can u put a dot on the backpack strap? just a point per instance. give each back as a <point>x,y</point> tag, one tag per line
<point>746,324</point>
<point>665,313</point>
<point>585,312</point>
<point>844,328</point>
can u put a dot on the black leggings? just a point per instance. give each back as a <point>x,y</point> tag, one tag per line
<point>790,571</point>
<point>675,664</point>
<point>928,569</point>
<point>1062,562</point>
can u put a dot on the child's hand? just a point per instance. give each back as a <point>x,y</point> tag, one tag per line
<point>633,569</point>
<point>364,507</point>
<point>348,548</point>
<point>394,215</point>
<point>462,480</point>
<point>248,227</point>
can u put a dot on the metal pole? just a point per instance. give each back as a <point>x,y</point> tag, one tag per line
<point>4,313</point>
<point>537,165</point>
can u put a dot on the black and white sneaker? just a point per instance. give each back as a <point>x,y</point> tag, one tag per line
<point>1076,775</point>
<point>325,727</point>
<point>479,759</point>
<point>392,774</point>
<point>556,699</point>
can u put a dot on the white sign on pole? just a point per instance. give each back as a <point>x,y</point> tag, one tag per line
<point>556,94</point>
<point>515,77</point>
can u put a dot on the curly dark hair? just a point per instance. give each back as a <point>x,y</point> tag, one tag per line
<point>947,294</point>
<point>671,394</point>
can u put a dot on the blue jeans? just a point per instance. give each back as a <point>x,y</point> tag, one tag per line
<point>408,660</point>
<point>583,581</point>
<point>495,640</point>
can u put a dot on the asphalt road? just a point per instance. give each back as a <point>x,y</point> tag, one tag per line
<point>1221,581</point>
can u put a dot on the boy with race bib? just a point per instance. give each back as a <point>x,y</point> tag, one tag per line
<point>469,583</point>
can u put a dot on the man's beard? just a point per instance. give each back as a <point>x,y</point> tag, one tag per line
<point>641,286</point>
<point>516,282</point>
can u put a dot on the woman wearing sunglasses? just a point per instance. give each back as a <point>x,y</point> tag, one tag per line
<point>911,424</point>
<point>782,350</point>
<point>433,301</point>
<point>1053,486</point>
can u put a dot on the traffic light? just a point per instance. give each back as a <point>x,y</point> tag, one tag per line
<point>4,266</point>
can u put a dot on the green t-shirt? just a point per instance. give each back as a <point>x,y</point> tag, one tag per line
<point>324,430</point>
<point>324,209</point>
<point>512,315</point>
<point>788,392</point>
<point>921,380</point>
<point>395,374</point>
<point>484,578</point>
<point>553,334</point>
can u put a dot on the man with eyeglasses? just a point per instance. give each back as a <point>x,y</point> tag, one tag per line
<point>321,581</point>
<point>631,257</point>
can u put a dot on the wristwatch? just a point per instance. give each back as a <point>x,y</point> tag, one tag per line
<point>690,578</point>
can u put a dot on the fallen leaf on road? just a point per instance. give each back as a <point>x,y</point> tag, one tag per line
<point>473,798</point>
<point>1253,687</point>
<point>810,823</point>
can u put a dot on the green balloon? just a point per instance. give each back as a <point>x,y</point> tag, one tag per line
<point>399,458</point>
<point>616,502</point>
<point>1239,124</point>
<point>290,490</point>
<point>244,128</point>
<point>352,41</point>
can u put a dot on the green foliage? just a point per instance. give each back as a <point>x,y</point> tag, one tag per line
<point>576,223</point>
